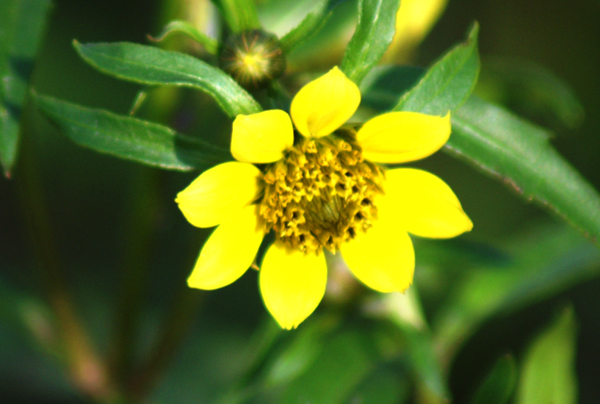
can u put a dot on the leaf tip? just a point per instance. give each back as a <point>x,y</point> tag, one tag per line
<point>77,45</point>
<point>33,94</point>
<point>473,32</point>
<point>154,39</point>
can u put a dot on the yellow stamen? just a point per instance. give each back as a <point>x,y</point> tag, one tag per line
<point>321,193</point>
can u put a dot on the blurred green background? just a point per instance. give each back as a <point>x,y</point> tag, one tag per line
<point>106,214</point>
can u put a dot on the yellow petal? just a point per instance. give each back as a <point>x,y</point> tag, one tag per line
<point>383,258</point>
<point>398,137</point>
<point>413,21</point>
<point>228,252</point>
<point>261,137</point>
<point>219,192</point>
<point>325,104</point>
<point>292,284</point>
<point>425,204</point>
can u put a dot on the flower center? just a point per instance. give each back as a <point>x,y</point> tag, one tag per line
<point>321,193</point>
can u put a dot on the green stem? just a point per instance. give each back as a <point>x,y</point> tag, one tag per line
<point>240,15</point>
<point>177,323</point>
<point>86,370</point>
<point>406,312</point>
<point>263,339</point>
<point>141,219</point>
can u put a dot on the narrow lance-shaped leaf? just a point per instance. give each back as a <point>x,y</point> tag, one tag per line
<point>130,138</point>
<point>519,154</point>
<point>426,366</point>
<point>548,372</point>
<point>21,25</point>
<point>310,25</point>
<point>374,33</point>
<point>498,386</point>
<point>502,144</point>
<point>545,262</point>
<point>153,66</point>
<point>448,83</point>
<point>405,311</point>
<point>385,385</point>
<point>345,360</point>
<point>240,15</point>
<point>383,84</point>
<point>532,89</point>
<point>299,352</point>
<point>210,44</point>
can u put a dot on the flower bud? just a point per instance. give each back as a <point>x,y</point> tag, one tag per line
<point>253,58</point>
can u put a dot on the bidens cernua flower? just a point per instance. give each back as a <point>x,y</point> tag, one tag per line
<point>321,189</point>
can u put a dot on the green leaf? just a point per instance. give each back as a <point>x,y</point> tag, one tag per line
<point>548,371</point>
<point>498,386</point>
<point>425,363</point>
<point>210,44</point>
<point>448,83</point>
<point>130,138</point>
<point>531,89</point>
<point>153,66</point>
<point>240,15</point>
<point>545,262</point>
<point>310,25</point>
<point>23,365</point>
<point>380,88</point>
<point>302,352</point>
<point>21,26</point>
<point>518,153</point>
<point>374,33</point>
<point>28,316</point>
<point>383,386</point>
<point>345,361</point>
<point>405,313</point>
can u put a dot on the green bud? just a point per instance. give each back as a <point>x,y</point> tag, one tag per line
<point>253,58</point>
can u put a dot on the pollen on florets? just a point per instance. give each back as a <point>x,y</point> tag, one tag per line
<point>253,58</point>
<point>321,194</point>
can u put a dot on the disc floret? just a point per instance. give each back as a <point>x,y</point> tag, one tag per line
<point>321,194</point>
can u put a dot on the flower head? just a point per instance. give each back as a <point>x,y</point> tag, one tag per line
<point>322,189</point>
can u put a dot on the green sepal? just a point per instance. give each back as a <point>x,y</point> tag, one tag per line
<point>374,33</point>
<point>153,66</point>
<point>211,45</point>
<point>22,24</point>
<point>130,138</point>
<point>448,83</point>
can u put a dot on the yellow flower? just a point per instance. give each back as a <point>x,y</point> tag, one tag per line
<point>321,189</point>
